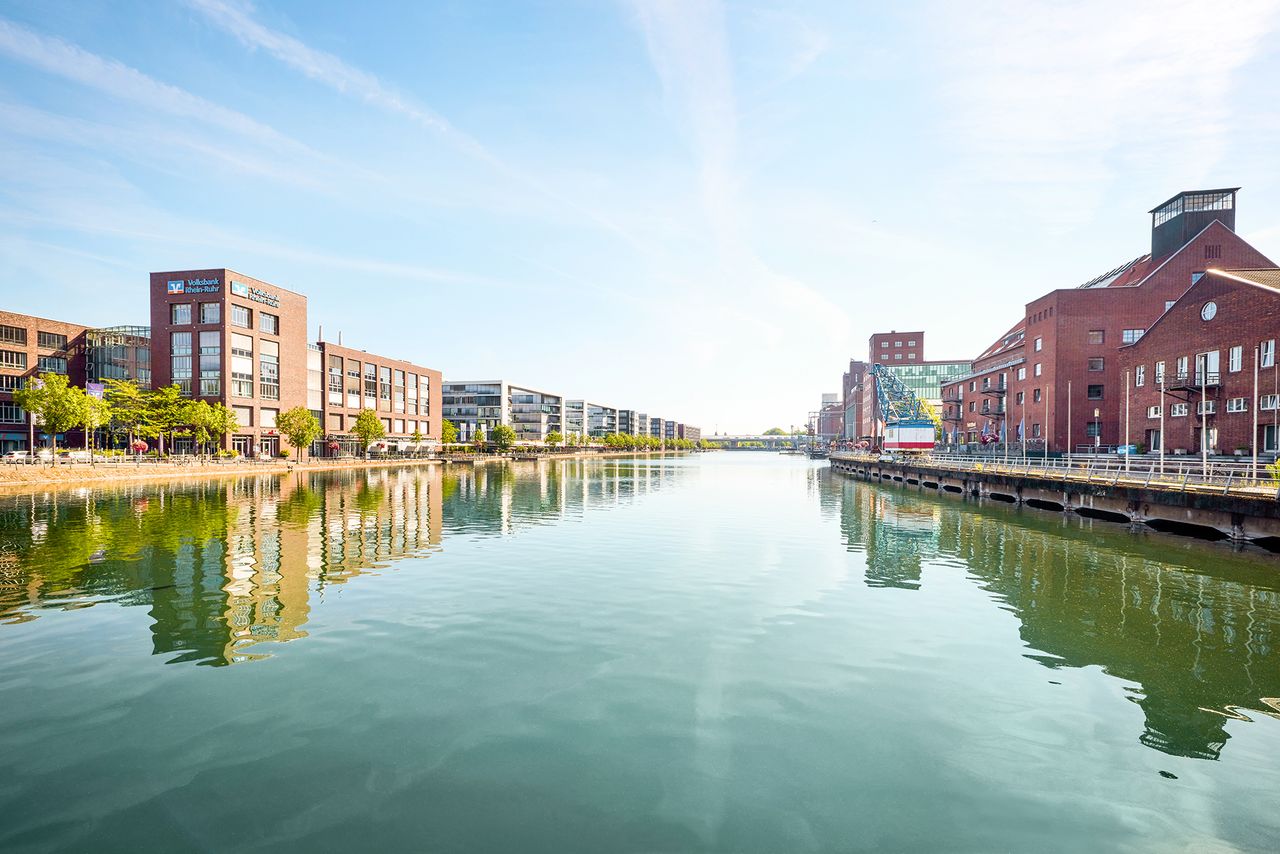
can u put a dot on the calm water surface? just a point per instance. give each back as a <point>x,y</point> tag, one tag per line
<point>733,652</point>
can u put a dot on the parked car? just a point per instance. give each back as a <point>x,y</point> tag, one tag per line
<point>17,457</point>
<point>79,456</point>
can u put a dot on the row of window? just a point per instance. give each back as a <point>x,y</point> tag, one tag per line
<point>17,360</point>
<point>335,421</point>
<point>180,314</point>
<point>209,364</point>
<point>1208,364</point>
<point>1266,403</point>
<point>44,340</point>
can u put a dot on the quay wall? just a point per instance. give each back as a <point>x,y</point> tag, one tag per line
<point>1239,518</point>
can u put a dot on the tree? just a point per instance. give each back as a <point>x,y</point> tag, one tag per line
<point>196,416</point>
<point>129,408</point>
<point>775,431</point>
<point>55,403</point>
<point>448,432</point>
<point>503,437</point>
<point>222,422</point>
<point>97,413</point>
<point>368,429</point>
<point>300,427</point>
<point>166,412</point>
<point>554,438</point>
<point>478,437</point>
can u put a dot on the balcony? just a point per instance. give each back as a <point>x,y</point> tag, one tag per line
<point>1192,382</point>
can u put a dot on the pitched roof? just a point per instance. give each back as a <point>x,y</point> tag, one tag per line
<point>1015,336</point>
<point>1128,273</point>
<point>1268,278</point>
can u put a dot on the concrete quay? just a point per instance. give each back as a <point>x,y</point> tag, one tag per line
<point>1224,504</point>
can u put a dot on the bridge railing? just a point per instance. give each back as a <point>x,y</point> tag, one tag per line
<point>1180,474</point>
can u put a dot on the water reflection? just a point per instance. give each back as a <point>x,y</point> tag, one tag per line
<point>1193,625</point>
<point>227,568</point>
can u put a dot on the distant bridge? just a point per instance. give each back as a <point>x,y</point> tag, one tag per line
<point>757,443</point>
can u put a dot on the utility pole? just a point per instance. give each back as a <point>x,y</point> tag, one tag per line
<point>1127,445</point>
<point>1068,423</point>
<point>1253,437</point>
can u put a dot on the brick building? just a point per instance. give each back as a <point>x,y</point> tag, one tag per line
<point>225,337</point>
<point>1069,382</point>
<point>30,346</point>
<point>406,397</point>
<point>851,385</point>
<point>1192,384</point>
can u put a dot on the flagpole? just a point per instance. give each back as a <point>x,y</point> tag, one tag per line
<point>1126,421</point>
<point>1254,437</point>
<point>1005,403</point>
<point>1162,440</point>
<point>1068,423</point>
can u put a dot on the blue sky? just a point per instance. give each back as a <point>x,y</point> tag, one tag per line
<point>696,209</point>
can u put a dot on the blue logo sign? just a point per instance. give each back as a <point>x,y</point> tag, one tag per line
<point>240,289</point>
<point>194,286</point>
<point>177,286</point>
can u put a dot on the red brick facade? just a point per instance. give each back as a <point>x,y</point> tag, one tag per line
<point>408,403</point>
<point>1243,324</point>
<point>1072,346</point>
<point>25,343</point>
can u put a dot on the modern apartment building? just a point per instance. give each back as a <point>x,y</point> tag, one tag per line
<point>575,418</point>
<point>406,396</point>
<point>601,420</point>
<point>627,422</point>
<point>484,404</point>
<point>688,431</point>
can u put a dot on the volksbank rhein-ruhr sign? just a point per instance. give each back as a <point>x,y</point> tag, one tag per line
<point>194,286</point>
<point>240,289</point>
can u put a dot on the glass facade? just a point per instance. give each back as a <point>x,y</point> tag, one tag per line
<point>118,353</point>
<point>927,378</point>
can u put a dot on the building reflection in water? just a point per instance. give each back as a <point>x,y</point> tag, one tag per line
<point>227,567</point>
<point>1193,624</point>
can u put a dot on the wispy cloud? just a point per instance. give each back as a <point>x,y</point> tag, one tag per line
<point>63,59</point>
<point>327,69</point>
<point>1054,95</point>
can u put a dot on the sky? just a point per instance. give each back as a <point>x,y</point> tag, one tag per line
<point>696,209</point>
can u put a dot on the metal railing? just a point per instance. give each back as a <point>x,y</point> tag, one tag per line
<point>1184,474</point>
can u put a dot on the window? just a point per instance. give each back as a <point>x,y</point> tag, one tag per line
<point>1039,369</point>
<point>210,312</point>
<point>244,416</point>
<point>1129,336</point>
<point>1022,373</point>
<point>1153,412</point>
<point>180,313</point>
<point>1035,430</point>
<point>411,393</point>
<point>986,383</point>
<point>242,317</point>
<point>267,417</point>
<point>898,356</point>
<point>51,341</point>
<point>1206,407</point>
<point>884,356</point>
<point>1268,401</point>
<point>1212,251</point>
<point>1019,398</point>
<point>241,366</point>
<point>13,359</point>
<point>1178,410</point>
<point>13,335</point>
<point>1168,304</point>
<point>1235,359</point>
<point>397,400</point>
<point>211,363</point>
<point>268,323</point>
<point>971,406</point>
<point>398,427</point>
<point>1140,376</point>
<point>1035,395</point>
<point>1207,368</point>
<point>1093,429</point>
<point>10,383</point>
<point>911,343</point>
<point>370,384</point>
<point>1039,344</point>
<point>268,372</point>
<point>1096,364</point>
<point>335,380</point>
<point>384,383</point>
<point>11,413</point>
<point>972,385</point>
<point>1268,352</point>
<point>52,365</point>
<point>897,343</point>
<point>911,357</point>
<point>1182,373</point>
<point>1094,392</point>
<point>180,361</point>
<point>1269,438</point>
<point>1097,336</point>
<point>1159,372</point>
<point>1238,404</point>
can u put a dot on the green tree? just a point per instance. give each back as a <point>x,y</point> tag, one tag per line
<point>554,438</point>
<point>129,407</point>
<point>448,432</point>
<point>300,427</point>
<point>166,412</point>
<point>478,438</point>
<point>97,414</point>
<point>222,422</point>
<point>368,429</point>
<point>55,403</point>
<point>197,418</point>
<point>503,437</point>
<point>775,431</point>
